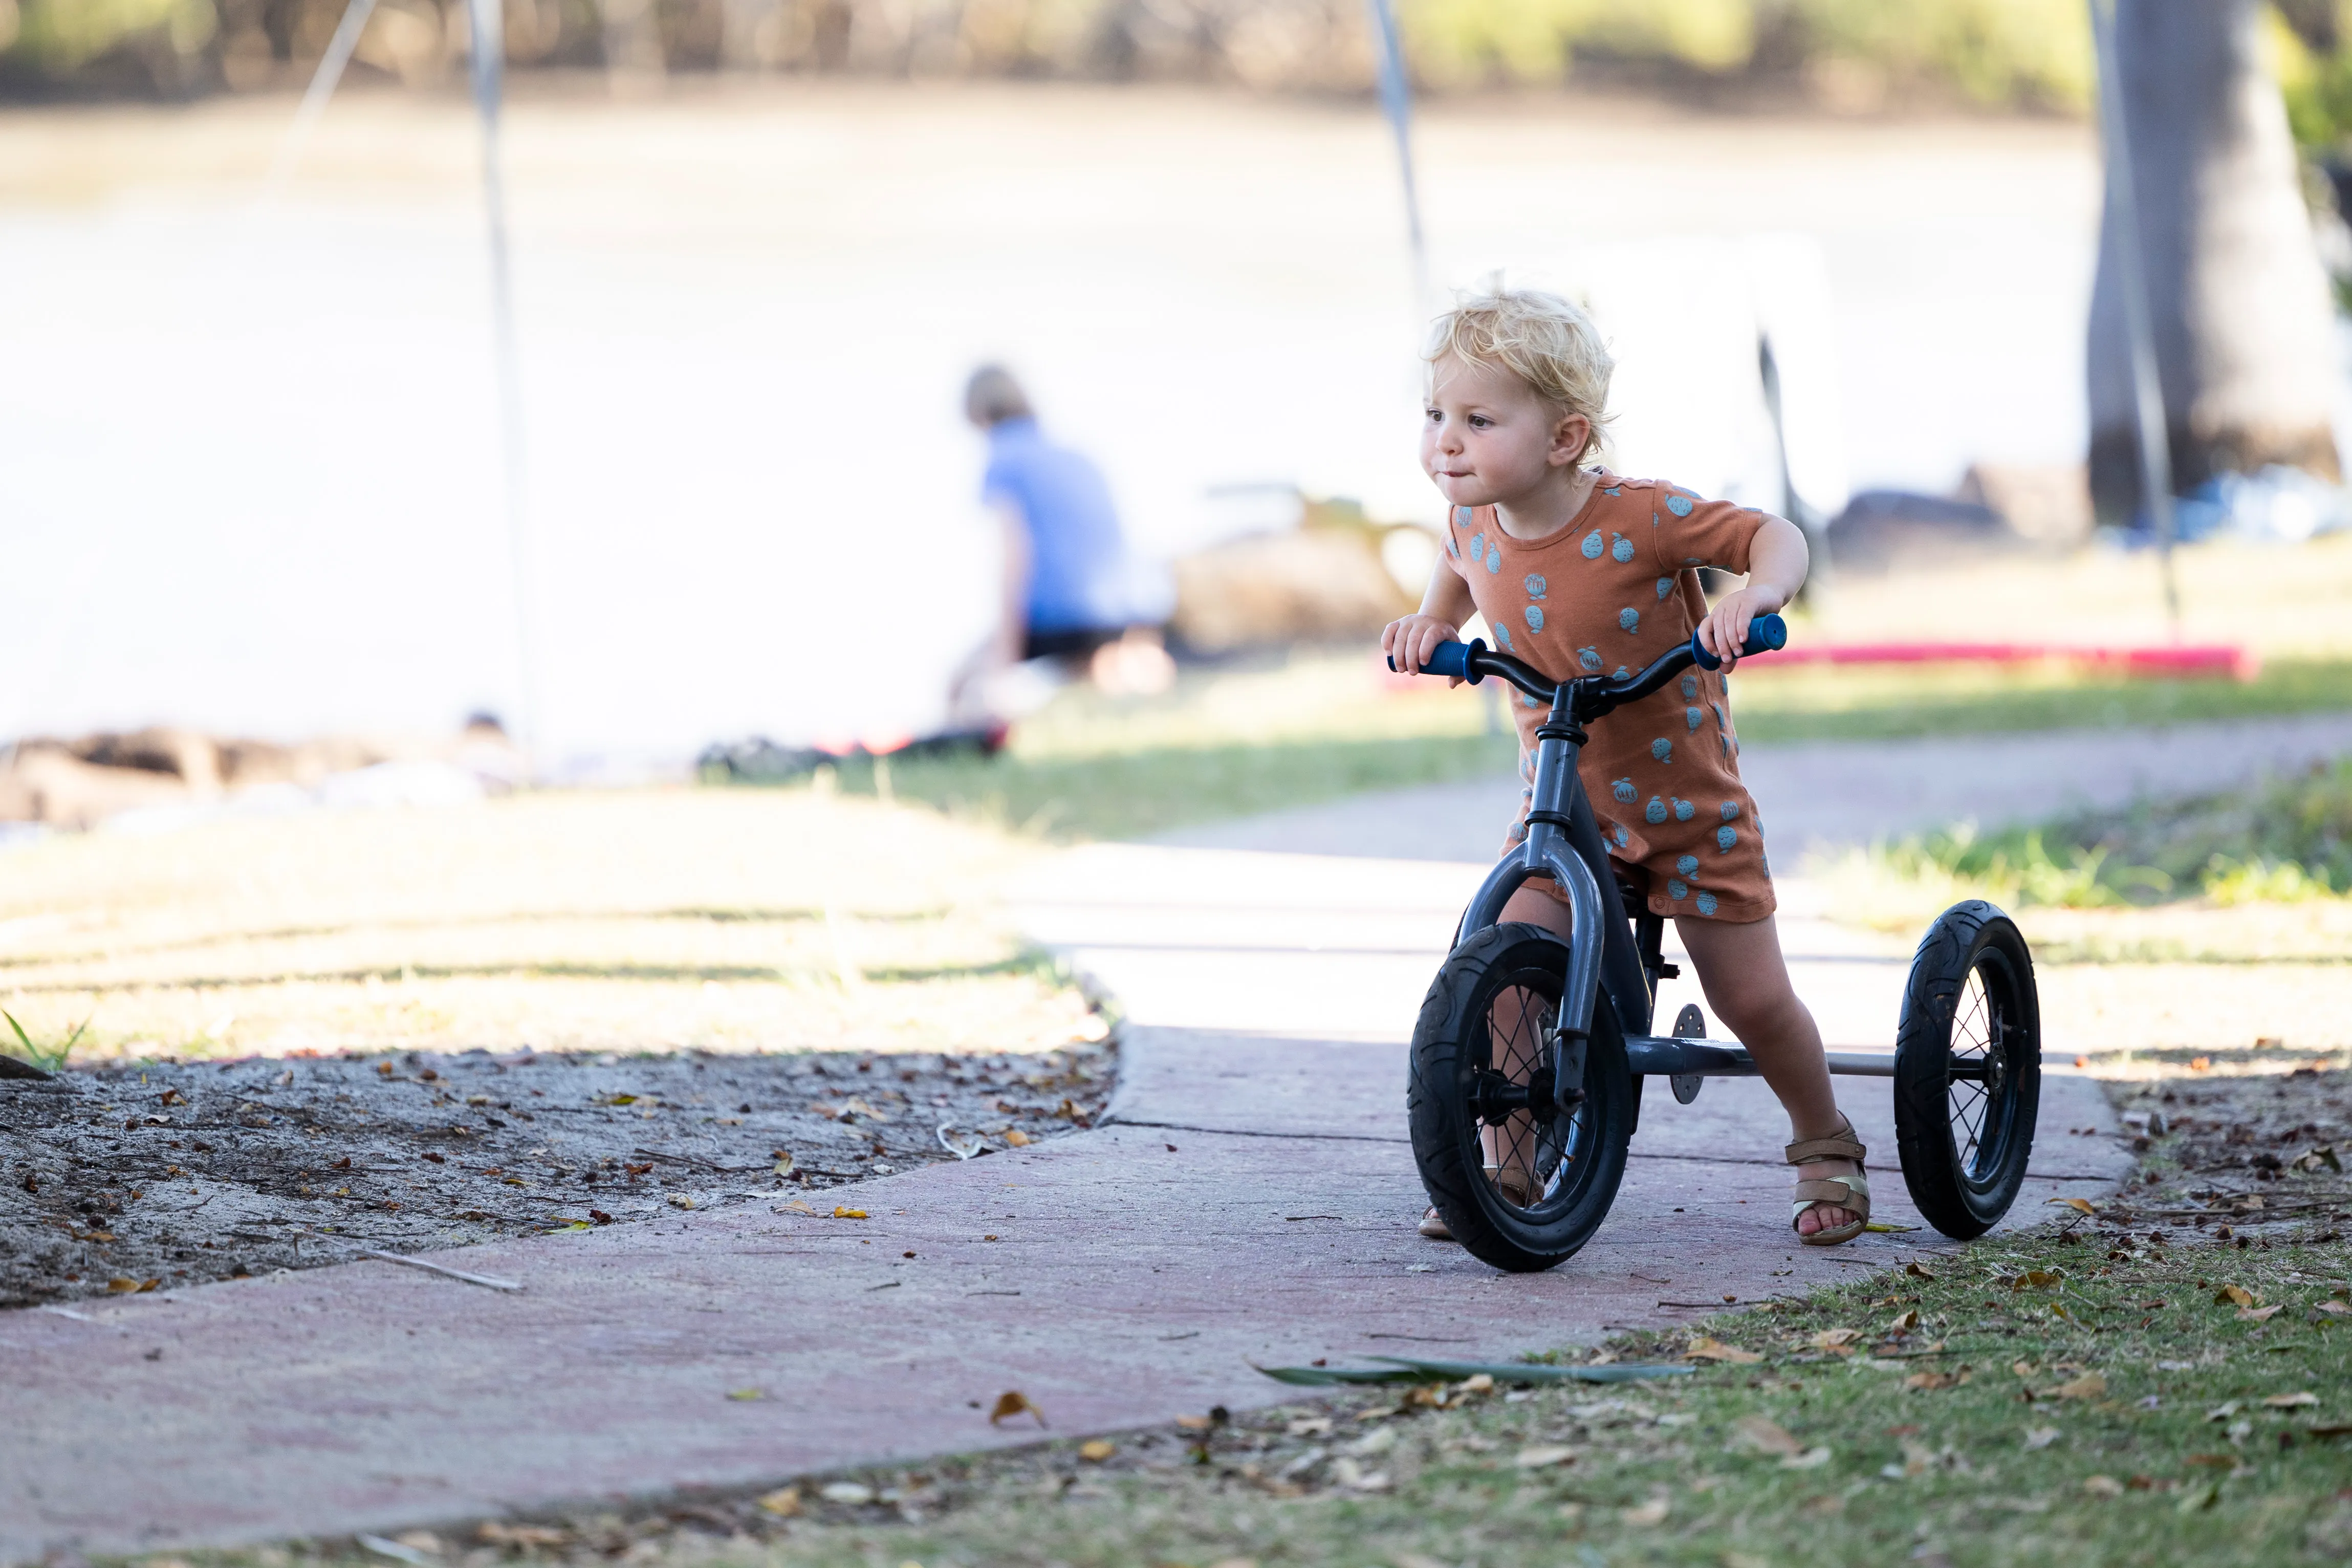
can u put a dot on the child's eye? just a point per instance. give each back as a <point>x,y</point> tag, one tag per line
<point>1432,416</point>
<point>1479,422</point>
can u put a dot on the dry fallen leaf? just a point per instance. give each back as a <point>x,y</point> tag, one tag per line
<point>2090,1386</point>
<point>2036,1279</point>
<point>1012,1403</point>
<point>2040,1438</point>
<point>1096,1450</point>
<point>1544,1456</point>
<point>2257,1314</point>
<point>1706,1349</point>
<point>1810,1460</point>
<point>1650,1513</point>
<point>783,1162</point>
<point>783,1502</point>
<point>1016,1138</point>
<point>122,1286</point>
<point>847,1492</point>
<point>1194,1423</point>
<point>796,1207</point>
<point>1837,1342</point>
<point>1904,1322</point>
<point>2338,1309</point>
<point>680,1201</point>
<point>2291,1401</point>
<point>842,1210</point>
<point>1917,1271</point>
<point>525,1537</point>
<point>2103,1486</point>
<point>1933,1381</point>
<point>1309,1426</point>
<point>1765,1435</point>
<point>2239,1294</point>
<point>2080,1205</point>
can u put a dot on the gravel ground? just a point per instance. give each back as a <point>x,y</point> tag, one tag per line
<point>135,1177</point>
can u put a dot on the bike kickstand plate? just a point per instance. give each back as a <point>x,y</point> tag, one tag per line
<point>1690,1023</point>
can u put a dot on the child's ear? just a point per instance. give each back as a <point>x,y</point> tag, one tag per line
<point>1569,439</point>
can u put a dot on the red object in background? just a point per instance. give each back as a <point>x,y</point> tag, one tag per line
<point>2171,661</point>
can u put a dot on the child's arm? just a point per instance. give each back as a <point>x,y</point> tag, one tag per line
<point>1776,559</point>
<point>1408,642</point>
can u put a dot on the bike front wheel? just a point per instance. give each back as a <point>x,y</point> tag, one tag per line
<point>1521,1184</point>
<point>1967,1070</point>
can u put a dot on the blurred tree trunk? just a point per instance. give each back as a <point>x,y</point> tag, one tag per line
<point>2245,343</point>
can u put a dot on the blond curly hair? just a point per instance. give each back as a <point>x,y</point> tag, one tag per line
<point>1547,342</point>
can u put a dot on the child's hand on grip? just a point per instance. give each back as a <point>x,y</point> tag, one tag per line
<point>1410,642</point>
<point>1725,631</point>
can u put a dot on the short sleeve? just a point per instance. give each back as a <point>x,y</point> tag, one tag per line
<point>1690,531</point>
<point>1461,529</point>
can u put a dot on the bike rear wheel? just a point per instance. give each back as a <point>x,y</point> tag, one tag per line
<point>1967,1070</point>
<point>1479,1093</point>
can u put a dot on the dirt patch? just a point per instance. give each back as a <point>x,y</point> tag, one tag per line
<point>2238,1155</point>
<point>175,1173</point>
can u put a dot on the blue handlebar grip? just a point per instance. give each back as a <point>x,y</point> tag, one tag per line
<point>1452,658</point>
<point>1765,634</point>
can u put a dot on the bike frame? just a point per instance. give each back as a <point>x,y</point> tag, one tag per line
<point>1606,949</point>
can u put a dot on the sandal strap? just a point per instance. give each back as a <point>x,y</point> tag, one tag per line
<point>1850,1193</point>
<point>1839,1146</point>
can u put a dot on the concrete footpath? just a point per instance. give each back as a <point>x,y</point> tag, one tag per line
<point>1251,1199</point>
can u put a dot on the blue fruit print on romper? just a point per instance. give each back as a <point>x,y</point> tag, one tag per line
<point>1724,837</point>
<point>1592,545</point>
<point>1535,585</point>
<point>1494,558</point>
<point>1503,641</point>
<point>1623,790</point>
<point>1477,547</point>
<point>1630,619</point>
<point>1730,811</point>
<point>1589,658</point>
<point>1691,716</point>
<point>1662,749</point>
<point>1665,586</point>
<point>1617,492</point>
<point>1657,810</point>
<point>1678,889</point>
<point>1707,903</point>
<point>1621,672</point>
<point>1622,549</point>
<point>1690,687</point>
<point>1687,865</point>
<point>1535,617</point>
<point>1684,811</point>
<point>1622,834</point>
<point>1679,505</point>
<point>1453,549</point>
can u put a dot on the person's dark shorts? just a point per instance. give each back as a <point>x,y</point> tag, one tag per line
<point>1072,643</point>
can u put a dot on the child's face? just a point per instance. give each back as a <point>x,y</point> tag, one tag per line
<point>1486,438</point>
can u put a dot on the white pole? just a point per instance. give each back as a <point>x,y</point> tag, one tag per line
<point>2131,271</point>
<point>1396,101</point>
<point>314,99</point>
<point>490,80</point>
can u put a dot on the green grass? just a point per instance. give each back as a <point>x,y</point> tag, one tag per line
<point>1316,726</point>
<point>2285,840</point>
<point>1831,703</point>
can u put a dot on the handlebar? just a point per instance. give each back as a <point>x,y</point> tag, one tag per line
<point>1472,662</point>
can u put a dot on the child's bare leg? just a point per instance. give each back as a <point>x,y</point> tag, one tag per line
<point>1746,982</point>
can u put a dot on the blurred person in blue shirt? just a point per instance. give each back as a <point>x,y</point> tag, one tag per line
<point>1072,593</point>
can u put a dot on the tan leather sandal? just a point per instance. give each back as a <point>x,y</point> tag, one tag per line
<point>1516,1185</point>
<point>1851,1192</point>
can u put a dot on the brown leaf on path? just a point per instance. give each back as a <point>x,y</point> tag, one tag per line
<point>2338,1309</point>
<point>2239,1294</point>
<point>2036,1279</point>
<point>1905,1321</point>
<point>1543,1456</point>
<point>2080,1205</point>
<point>2258,1314</point>
<point>120,1286</point>
<point>843,1211</point>
<point>1012,1403</point>
<point>1095,1450</point>
<point>1016,1138</point>
<point>1917,1271</point>
<point>2090,1386</point>
<point>1707,1349</point>
<point>2291,1401</point>
<point>783,1162</point>
<point>1765,1435</point>
<point>784,1502</point>
<point>521,1537</point>
<point>1837,1342</point>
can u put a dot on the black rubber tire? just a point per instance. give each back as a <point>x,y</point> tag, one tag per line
<point>1971,998</point>
<point>1450,1045</point>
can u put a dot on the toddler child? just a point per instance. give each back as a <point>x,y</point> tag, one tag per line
<point>1582,572</point>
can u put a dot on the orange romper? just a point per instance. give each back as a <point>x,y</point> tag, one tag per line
<point>1605,595</point>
